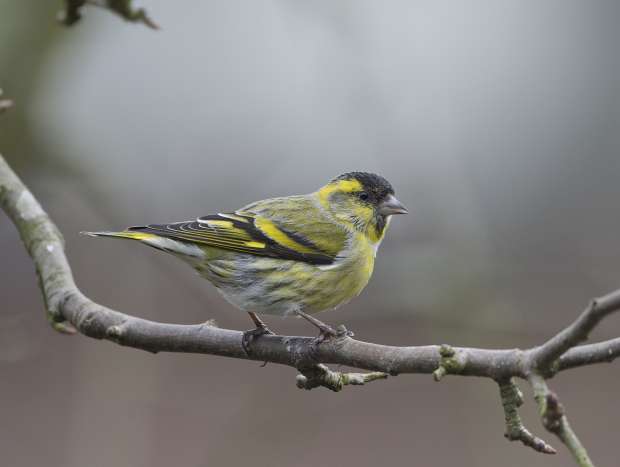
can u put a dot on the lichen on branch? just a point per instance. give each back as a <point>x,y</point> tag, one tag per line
<point>512,399</point>
<point>320,375</point>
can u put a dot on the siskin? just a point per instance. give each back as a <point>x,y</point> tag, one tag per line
<point>290,255</point>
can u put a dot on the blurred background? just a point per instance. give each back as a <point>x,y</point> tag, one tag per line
<point>498,124</point>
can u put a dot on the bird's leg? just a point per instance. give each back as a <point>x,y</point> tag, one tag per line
<point>326,330</point>
<point>259,323</point>
<point>261,329</point>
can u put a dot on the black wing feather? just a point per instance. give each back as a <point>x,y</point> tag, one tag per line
<point>239,234</point>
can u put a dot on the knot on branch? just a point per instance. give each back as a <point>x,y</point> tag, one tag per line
<point>210,323</point>
<point>448,363</point>
<point>553,413</point>
<point>63,327</point>
<point>114,333</point>
<point>53,309</point>
<point>555,421</point>
<point>512,399</point>
<point>320,375</point>
<point>550,409</point>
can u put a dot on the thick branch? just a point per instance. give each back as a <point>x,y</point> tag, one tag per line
<point>65,302</point>
<point>69,310</point>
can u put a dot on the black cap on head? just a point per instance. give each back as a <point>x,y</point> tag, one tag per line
<point>375,185</point>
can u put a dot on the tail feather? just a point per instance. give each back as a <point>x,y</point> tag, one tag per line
<point>161,243</point>
<point>124,234</point>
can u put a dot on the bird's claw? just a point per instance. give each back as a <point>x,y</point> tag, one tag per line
<point>342,331</point>
<point>252,334</point>
<point>327,333</point>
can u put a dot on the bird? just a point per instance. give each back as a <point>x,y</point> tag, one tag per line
<point>292,255</point>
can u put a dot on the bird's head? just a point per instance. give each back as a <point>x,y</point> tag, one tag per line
<point>362,200</point>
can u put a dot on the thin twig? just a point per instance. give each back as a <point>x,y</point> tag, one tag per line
<point>600,352</point>
<point>554,420</point>
<point>512,399</point>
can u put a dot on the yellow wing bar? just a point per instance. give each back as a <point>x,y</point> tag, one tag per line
<point>243,233</point>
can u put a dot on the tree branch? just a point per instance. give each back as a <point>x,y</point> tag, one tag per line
<point>70,311</point>
<point>601,352</point>
<point>544,356</point>
<point>512,399</point>
<point>555,421</point>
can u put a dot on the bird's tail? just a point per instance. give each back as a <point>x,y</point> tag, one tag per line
<point>169,245</point>
<point>142,236</point>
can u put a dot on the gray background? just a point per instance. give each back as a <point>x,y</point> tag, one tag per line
<point>496,121</point>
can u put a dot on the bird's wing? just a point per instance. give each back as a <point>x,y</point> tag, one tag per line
<point>251,231</point>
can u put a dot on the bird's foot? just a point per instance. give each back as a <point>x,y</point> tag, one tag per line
<point>342,331</point>
<point>253,334</point>
<point>326,331</point>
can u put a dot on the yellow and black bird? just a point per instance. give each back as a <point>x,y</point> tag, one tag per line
<point>289,255</point>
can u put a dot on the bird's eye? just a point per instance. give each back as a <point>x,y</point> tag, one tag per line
<point>363,196</point>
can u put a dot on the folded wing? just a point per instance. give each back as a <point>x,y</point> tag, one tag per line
<point>245,232</point>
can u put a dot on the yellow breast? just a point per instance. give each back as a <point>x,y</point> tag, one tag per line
<point>330,286</point>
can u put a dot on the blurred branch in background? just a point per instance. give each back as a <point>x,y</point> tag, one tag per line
<point>5,104</point>
<point>73,11</point>
<point>69,310</point>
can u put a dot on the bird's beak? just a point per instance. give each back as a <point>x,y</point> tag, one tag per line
<point>391,206</point>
